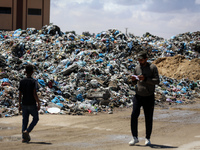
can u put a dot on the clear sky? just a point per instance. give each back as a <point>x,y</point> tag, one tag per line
<point>164,18</point>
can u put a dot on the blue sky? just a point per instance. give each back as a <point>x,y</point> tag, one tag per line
<point>163,18</point>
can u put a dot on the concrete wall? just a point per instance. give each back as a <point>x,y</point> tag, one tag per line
<point>46,18</point>
<point>12,21</point>
<point>38,21</point>
<point>35,21</point>
<point>6,19</point>
<point>6,3</point>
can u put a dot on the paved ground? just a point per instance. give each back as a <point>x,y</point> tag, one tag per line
<point>174,129</point>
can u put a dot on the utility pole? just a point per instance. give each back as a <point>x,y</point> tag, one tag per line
<point>126,31</point>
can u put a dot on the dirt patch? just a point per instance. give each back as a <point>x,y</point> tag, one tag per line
<point>178,67</point>
<point>174,129</point>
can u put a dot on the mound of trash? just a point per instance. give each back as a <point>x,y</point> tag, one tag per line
<point>179,67</point>
<point>80,74</point>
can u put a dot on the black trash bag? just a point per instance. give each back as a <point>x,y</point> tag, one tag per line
<point>52,30</point>
<point>18,50</point>
<point>2,61</point>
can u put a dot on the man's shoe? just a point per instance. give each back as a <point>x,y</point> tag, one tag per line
<point>24,141</point>
<point>133,141</point>
<point>147,142</point>
<point>26,136</point>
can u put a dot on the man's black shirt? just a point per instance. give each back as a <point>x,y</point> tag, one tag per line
<point>27,86</point>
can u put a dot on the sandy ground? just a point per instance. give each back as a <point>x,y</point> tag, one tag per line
<point>176,128</point>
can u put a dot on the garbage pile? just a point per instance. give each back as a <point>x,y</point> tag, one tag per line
<point>80,74</point>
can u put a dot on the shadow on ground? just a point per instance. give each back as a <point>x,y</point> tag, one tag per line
<point>44,143</point>
<point>161,146</point>
<point>155,146</point>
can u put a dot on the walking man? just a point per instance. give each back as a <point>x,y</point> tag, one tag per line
<point>28,103</point>
<point>145,78</point>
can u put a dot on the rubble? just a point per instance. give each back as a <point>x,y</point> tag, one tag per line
<point>79,74</point>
